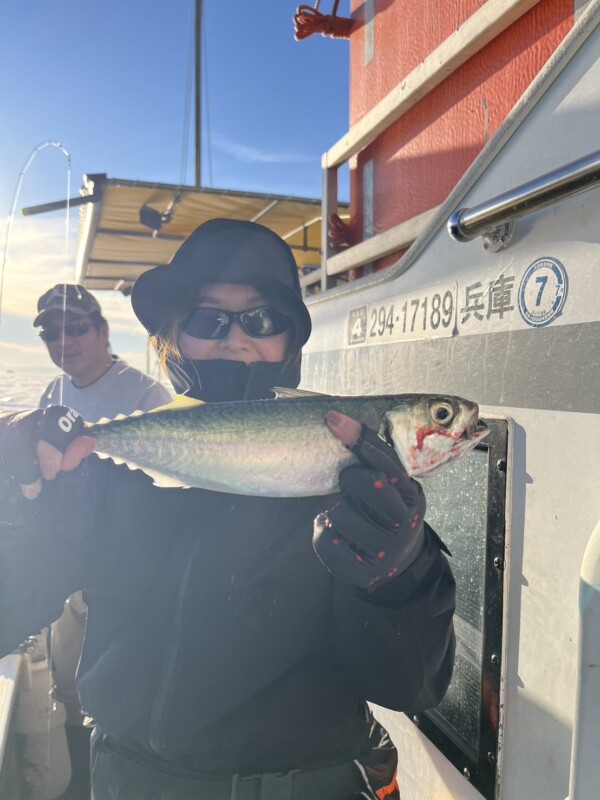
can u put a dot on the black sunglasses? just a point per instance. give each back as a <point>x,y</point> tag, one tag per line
<point>215,323</point>
<point>74,329</point>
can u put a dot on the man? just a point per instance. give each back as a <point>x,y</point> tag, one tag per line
<point>96,384</point>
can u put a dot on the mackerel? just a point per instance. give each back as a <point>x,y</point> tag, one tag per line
<point>283,447</point>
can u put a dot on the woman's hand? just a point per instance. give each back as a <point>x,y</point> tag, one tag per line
<point>374,530</point>
<point>40,444</point>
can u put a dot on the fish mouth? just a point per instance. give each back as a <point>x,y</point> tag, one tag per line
<point>473,433</point>
<point>475,429</point>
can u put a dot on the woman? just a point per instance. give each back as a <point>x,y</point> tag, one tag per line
<point>232,641</point>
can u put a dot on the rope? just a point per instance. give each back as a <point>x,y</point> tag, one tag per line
<point>187,108</point>
<point>309,20</point>
<point>15,200</point>
<point>207,127</point>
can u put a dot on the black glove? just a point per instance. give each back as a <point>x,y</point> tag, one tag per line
<point>20,433</point>
<point>374,531</point>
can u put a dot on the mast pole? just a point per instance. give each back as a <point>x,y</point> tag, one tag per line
<point>197,93</point>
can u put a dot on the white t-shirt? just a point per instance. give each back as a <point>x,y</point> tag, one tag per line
<point>121,390</point>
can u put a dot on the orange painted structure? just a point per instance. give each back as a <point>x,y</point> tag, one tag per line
<point>419,159</point>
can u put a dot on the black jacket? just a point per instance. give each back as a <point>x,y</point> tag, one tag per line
<point>216,640</point>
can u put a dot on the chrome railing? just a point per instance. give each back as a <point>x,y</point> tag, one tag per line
<point>494,219</point>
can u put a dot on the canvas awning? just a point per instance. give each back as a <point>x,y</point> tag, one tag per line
<point>131,226</point>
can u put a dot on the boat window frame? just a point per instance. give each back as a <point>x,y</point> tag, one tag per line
<point>480,765</point>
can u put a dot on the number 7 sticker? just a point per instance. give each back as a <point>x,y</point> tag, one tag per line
<point>543,292</point>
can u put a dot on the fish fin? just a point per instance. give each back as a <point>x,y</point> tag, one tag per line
<point>178,403</point>
<point>282,393</point>
<point>158,478</point>
<point>373,420</point>
<point>165,481</point>
<point>106,420</point>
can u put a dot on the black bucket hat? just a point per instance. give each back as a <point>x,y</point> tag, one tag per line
<point>224,251</point>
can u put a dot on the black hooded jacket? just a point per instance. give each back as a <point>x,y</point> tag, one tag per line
<point>216,640</point>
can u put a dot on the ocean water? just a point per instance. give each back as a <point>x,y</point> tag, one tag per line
<point>22,389</point>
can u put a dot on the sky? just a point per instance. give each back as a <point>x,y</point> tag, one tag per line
<point>110,82</point>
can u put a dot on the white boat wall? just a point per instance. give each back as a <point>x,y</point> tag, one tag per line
<point>517,330</point>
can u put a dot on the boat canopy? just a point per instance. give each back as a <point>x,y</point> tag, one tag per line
<point>127,226</point>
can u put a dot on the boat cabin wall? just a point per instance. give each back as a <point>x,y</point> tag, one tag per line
<point>518,331</point>
<point>413,165</point>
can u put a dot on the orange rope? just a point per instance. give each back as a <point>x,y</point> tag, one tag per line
<point>309,20</point>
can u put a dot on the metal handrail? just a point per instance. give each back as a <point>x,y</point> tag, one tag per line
<point>574,178</point>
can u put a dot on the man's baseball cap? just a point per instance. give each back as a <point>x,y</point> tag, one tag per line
<point>66,297</point>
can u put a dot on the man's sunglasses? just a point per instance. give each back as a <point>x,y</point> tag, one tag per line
<point>72,329</point>
<point>215,323</point>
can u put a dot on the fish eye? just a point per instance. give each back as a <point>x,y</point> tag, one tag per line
<point>442,413</point>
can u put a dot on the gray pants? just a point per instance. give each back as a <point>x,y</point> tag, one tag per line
<point>115,777</point>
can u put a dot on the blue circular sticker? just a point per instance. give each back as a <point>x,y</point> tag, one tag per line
<point>542,292</point>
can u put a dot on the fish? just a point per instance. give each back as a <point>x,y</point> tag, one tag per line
<point>283,447</point>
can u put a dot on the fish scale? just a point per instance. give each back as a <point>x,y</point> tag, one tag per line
<point>281,447</point>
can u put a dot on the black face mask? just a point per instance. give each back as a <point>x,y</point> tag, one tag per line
<point>221,380</point>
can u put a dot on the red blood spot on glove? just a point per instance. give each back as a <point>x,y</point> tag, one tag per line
<point>359,559</point>
<point>336,542</point>
<point>381,554</point>
<point>393,481</point>
<point>393,572</point>
<point>378,485</point>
